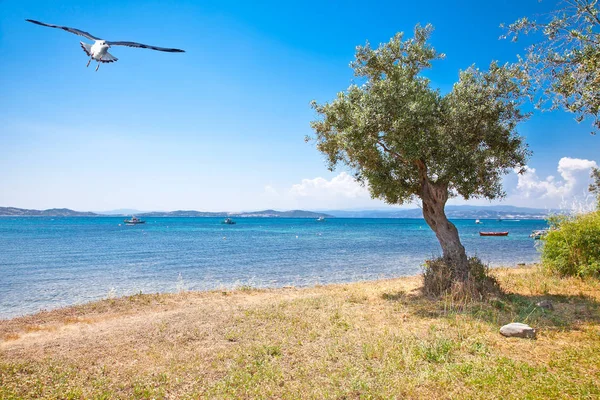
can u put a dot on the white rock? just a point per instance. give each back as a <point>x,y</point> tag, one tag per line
<point>517,329</point>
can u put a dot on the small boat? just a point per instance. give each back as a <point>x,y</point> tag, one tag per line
<point>493,233</point>
<point>228,221</point>
<point>321,219</point>
<point>134,221</point>
<point>478,221</point>
<point>538,234</point>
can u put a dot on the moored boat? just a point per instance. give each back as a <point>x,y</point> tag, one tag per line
<point>493,233</point>
<point>134,221</point>
<point>321,219</point>
<point>228,221</point>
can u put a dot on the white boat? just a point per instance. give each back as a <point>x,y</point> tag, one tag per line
<point>134,221</point>
<point>478,221</point>
<point>321,219</point>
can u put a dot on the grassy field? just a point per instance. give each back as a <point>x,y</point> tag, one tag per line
<point>363,340</point>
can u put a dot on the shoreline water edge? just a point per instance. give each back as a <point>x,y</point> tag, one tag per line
<point>55,262</point>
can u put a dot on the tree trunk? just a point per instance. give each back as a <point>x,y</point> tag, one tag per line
<point>434,197</point>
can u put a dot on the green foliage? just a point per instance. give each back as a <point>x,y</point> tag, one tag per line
<point>395,131</point>
<point>572,247</point>
<point>563,68</point>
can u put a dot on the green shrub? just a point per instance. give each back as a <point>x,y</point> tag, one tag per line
<point>572,247</point>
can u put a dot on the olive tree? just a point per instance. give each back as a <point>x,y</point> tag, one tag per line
<point>563,63</point>
<point>406,140</point>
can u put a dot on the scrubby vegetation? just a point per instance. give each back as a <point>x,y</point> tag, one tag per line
<point>369,340</point>
<point>437,280</point>
<point>572,247</point>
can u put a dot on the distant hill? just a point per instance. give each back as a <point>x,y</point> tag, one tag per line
<point>119,212</point>
<point>264,213</point>
<point>456,212</point>
<point>181,213</point>
<point>285,214</point>
<point>65,212</point>
<point>53,212</point>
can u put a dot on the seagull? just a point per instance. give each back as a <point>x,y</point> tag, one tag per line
<point>99,50</point>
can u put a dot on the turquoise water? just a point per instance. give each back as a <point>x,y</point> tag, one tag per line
<point>47,263</point>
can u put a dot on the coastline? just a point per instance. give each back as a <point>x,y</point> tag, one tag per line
<point>55,263</point>
<point>376,338</point>
<point>244,287</point>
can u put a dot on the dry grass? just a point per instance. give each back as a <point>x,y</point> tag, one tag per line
<point>364,340</point>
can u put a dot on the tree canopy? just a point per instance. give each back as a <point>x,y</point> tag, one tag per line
<point>563,67</point>
<point>394,129</point>
<point>405,139</point>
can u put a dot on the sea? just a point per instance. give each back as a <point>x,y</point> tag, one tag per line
<point>47,263</point>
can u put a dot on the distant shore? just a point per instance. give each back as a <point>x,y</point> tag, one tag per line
<point>454,212</point>
<point>373,339</point>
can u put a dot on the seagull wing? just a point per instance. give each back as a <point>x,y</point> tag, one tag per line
<point>66,28</point>
<point>144,46</point>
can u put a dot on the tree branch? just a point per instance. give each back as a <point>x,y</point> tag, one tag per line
<point>422,170</point>
<point>398,156</point>
<point>591,13</point>
<point>387,150</point>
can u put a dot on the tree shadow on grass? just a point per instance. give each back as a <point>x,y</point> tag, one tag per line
<point>569,311</point>
<point>396,296</point>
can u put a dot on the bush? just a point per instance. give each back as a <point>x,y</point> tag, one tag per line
<point>438,280</point>
<point>572,247</point>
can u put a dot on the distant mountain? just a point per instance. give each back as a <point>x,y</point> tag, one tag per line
<point>121,211</point>
<point>264,213</point>
<point>456,212</point>
<point>181,213</point>
<point>286,214</point>
<point>65,212</point>
<point>53,212</point>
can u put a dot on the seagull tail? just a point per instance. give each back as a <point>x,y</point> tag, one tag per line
<point>108,58</point>
<point>87,48</point>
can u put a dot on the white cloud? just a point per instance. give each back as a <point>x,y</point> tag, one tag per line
<point>342,185</point>
<point>567,188</point>
<point>339,192</point>
<point>553,192</point>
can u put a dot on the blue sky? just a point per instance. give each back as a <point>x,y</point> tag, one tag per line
<point>221,127</point>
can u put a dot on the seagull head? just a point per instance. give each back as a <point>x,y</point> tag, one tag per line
<point>104,44</point>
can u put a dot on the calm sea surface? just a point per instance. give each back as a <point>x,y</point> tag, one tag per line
<point>47,263</point>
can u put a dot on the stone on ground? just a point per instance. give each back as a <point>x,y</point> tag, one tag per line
<point>517,329</point>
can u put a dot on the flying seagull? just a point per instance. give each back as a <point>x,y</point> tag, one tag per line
<point>99,50</point>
